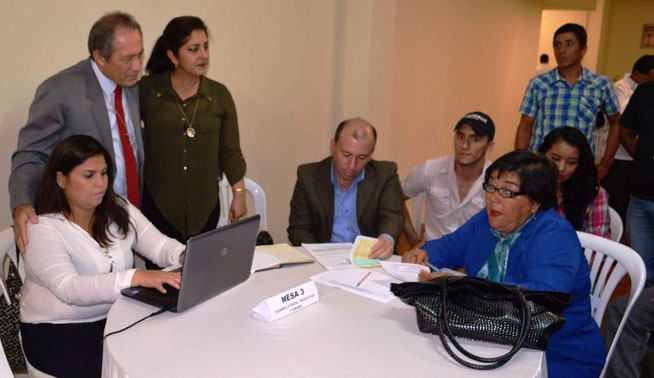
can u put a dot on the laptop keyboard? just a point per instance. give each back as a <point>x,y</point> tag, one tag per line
<point>154,296</point>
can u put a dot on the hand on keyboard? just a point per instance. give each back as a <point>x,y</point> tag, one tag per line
<point>156,279</point>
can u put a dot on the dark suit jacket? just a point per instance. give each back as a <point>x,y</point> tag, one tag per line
<point>379,203</point>
<point>68,103</point>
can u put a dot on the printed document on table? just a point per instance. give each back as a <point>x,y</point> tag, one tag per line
<point>332,256</point>
<point>372,285</point>
<point>403,271</point>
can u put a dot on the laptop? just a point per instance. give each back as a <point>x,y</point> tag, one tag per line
<point>215,261</point>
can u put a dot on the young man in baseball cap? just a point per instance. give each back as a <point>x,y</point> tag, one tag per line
<point>452,184</point>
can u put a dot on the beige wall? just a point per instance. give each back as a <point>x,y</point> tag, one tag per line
<point>623,30</point>
<point>296,68</point>
<point>452,57</point>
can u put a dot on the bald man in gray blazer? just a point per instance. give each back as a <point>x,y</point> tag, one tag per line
<point>80,100</point>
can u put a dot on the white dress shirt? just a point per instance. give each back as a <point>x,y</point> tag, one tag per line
<point>108,87</point>
<point>445,210</point>
<point>70,278</point>
<point>624,88</point>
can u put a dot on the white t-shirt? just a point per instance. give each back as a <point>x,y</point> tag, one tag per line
<point>71,279</point>
<point>624,88</point>
<point>445,211</point>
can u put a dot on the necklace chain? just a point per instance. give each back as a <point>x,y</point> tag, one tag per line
<point>189,122</point>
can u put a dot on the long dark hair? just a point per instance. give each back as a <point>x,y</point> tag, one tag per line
<point>67,155</point>
<point>174,36</point>
<point>581,188</point>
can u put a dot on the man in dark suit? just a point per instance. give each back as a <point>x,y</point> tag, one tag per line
<point>348,194</point>
<point>95,97</point>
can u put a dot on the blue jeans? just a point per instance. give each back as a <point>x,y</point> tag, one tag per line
<point>640,231</point>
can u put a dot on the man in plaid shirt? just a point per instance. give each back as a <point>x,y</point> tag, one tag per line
<point>569,95</point>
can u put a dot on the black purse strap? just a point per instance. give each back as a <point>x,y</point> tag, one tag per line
<point>490,362</point>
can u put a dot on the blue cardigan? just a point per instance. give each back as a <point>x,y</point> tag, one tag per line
<point>548,257</point>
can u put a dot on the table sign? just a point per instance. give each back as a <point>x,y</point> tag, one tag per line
<point>287,302</point>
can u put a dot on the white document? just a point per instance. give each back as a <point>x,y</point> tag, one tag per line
<point>287,302</point>
<point>262,261</point>
<point>403,271</point>
<point>332,256</point>
<point>375,286</point>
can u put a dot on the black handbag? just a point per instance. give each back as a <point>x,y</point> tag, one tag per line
<point>264,238</point>
<point>479,309</point>
<point>9,320</point>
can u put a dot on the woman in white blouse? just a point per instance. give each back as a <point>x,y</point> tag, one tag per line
<point>79,258</point>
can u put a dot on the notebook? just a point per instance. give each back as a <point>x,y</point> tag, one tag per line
<point>215,261</point>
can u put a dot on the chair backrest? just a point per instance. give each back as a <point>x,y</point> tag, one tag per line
<point>8,248</point>
<point>418,209</point>
<point>616,225</point>
<point>609,262</point>
<point>258,196</point>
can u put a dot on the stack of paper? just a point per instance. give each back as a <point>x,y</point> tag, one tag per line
<point>403,271</point>
<point>362,282</point>
<point>332,256</point>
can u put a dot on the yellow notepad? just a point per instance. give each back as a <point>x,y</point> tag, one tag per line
<point>360,254</point>
<point>285,253</point>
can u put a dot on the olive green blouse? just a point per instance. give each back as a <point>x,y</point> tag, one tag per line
<point>181,172</point>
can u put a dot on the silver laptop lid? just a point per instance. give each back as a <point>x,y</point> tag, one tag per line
<point>216,261</point>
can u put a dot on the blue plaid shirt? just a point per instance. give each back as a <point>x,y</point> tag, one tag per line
<point>554,103</point>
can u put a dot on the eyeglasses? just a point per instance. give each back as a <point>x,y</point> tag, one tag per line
<point>506,193</point>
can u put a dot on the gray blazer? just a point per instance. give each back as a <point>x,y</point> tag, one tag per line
<point>68,103</point>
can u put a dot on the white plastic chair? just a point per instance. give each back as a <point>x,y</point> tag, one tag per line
<point>5,370</point>
<point>418,204</point>
<point>258,196</point>
<point>8,247</point>
<point>615,224</point>
<point>609,262</point>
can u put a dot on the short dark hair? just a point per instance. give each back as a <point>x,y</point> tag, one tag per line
<point>67,155</point>
<point>537,173</point>
<point>576,29</point>
<point>544,58</point>
<point>644,64</point>
<point>175,35</point>
<point>344,123</point>
<point>581,188</point>
<point>101,36</point>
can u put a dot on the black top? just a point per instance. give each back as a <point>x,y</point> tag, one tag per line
<point>639,115</point>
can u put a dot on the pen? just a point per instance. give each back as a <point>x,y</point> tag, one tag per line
<point>432,267</point>
<point>363,279</point>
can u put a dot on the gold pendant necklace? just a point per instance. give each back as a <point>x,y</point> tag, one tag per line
<point>189,131</point>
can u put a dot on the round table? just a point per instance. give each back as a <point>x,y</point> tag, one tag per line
<point>341,335</point>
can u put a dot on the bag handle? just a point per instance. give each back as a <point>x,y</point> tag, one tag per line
<point>492,362</point>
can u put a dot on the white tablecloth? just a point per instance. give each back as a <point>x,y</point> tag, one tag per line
<point>341,335</point>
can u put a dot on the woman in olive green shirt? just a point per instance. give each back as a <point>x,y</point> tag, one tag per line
<point>190,133</point>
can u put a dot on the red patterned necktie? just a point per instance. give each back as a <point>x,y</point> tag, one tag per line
<point>131,172</point>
